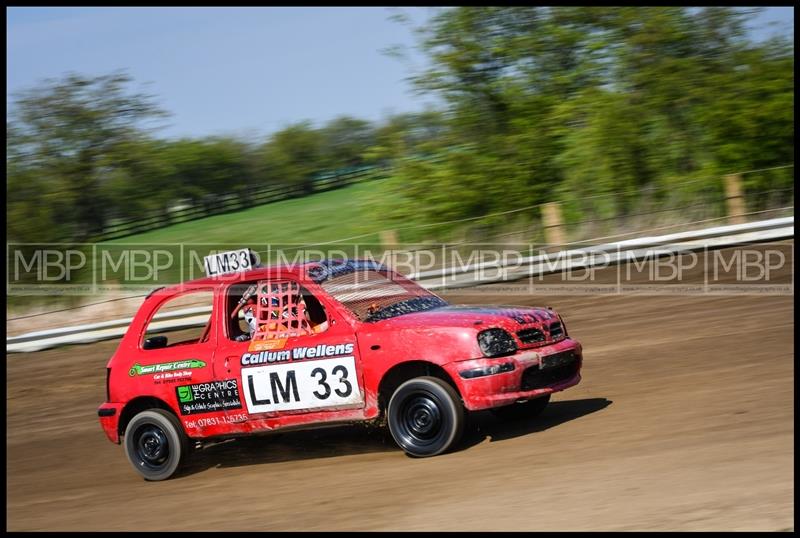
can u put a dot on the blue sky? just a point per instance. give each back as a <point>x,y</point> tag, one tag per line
<point>241,71</point>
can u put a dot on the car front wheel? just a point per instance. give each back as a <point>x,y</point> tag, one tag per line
<point>425,416</point>
<point>155,444</point>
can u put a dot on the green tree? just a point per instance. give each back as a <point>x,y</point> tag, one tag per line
<point>293,155</point>
<point>567,102</point>
<point>67,129</point>
<point>344,141</point>
<point>416,133</point>
<point>140,179</point>
<point>203,170</point>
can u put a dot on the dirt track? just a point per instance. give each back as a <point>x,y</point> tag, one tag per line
<point>684,420</point>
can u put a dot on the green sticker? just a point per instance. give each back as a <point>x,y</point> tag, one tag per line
<point>185,394</point>
<point>138,369</point>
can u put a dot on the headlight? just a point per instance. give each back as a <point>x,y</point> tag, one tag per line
<point>496,343</point>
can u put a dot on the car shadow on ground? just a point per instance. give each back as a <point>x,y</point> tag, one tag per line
<point>485,425</point>
<point>367,438</point>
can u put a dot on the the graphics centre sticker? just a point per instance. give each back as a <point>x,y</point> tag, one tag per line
<point>209,397</point>
<point>138,369</point>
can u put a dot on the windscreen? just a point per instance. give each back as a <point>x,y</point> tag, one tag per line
<point>373,295</point>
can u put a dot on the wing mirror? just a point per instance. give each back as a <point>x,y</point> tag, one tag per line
<point>155,342</point>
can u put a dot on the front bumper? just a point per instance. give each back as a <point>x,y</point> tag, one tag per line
<point>109,419</point>
<point>533,375</point>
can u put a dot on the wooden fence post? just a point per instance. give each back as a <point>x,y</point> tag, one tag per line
<point>553,224</point>
<point>388,239</point>
<point>734,199</point>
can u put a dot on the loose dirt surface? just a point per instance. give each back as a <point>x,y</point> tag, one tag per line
<point>683,420</point>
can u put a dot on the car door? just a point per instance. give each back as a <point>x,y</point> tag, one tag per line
<point>174,356</point>
<point>303,357</point>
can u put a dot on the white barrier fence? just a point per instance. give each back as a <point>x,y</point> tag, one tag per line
<point>627,250</point>
<point>459,277</point>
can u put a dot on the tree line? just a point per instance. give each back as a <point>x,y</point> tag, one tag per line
<point>573,103</point>
<point>82,152</point>
<point>538,104</point>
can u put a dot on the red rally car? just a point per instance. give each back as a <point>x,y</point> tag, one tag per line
<point>295,346</point>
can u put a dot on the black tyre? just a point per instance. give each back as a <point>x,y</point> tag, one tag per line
<point>425,416</point>
<point>155,444</point>
<point>529,409</point>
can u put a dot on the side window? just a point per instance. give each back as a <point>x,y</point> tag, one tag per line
<point>273,309</point>
<point>194,307</point>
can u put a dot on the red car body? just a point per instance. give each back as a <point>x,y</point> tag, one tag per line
<point>219,387</point>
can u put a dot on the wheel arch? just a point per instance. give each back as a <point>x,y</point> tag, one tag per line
<point>137,405</point>
<point>402,372</point>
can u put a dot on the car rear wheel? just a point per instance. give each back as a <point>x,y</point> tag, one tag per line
<point>155,444</point>
<point>425,416</point>
<point>529,409</point>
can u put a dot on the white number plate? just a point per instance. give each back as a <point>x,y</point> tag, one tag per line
<point>233,261</point>
<point>301,385</point>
